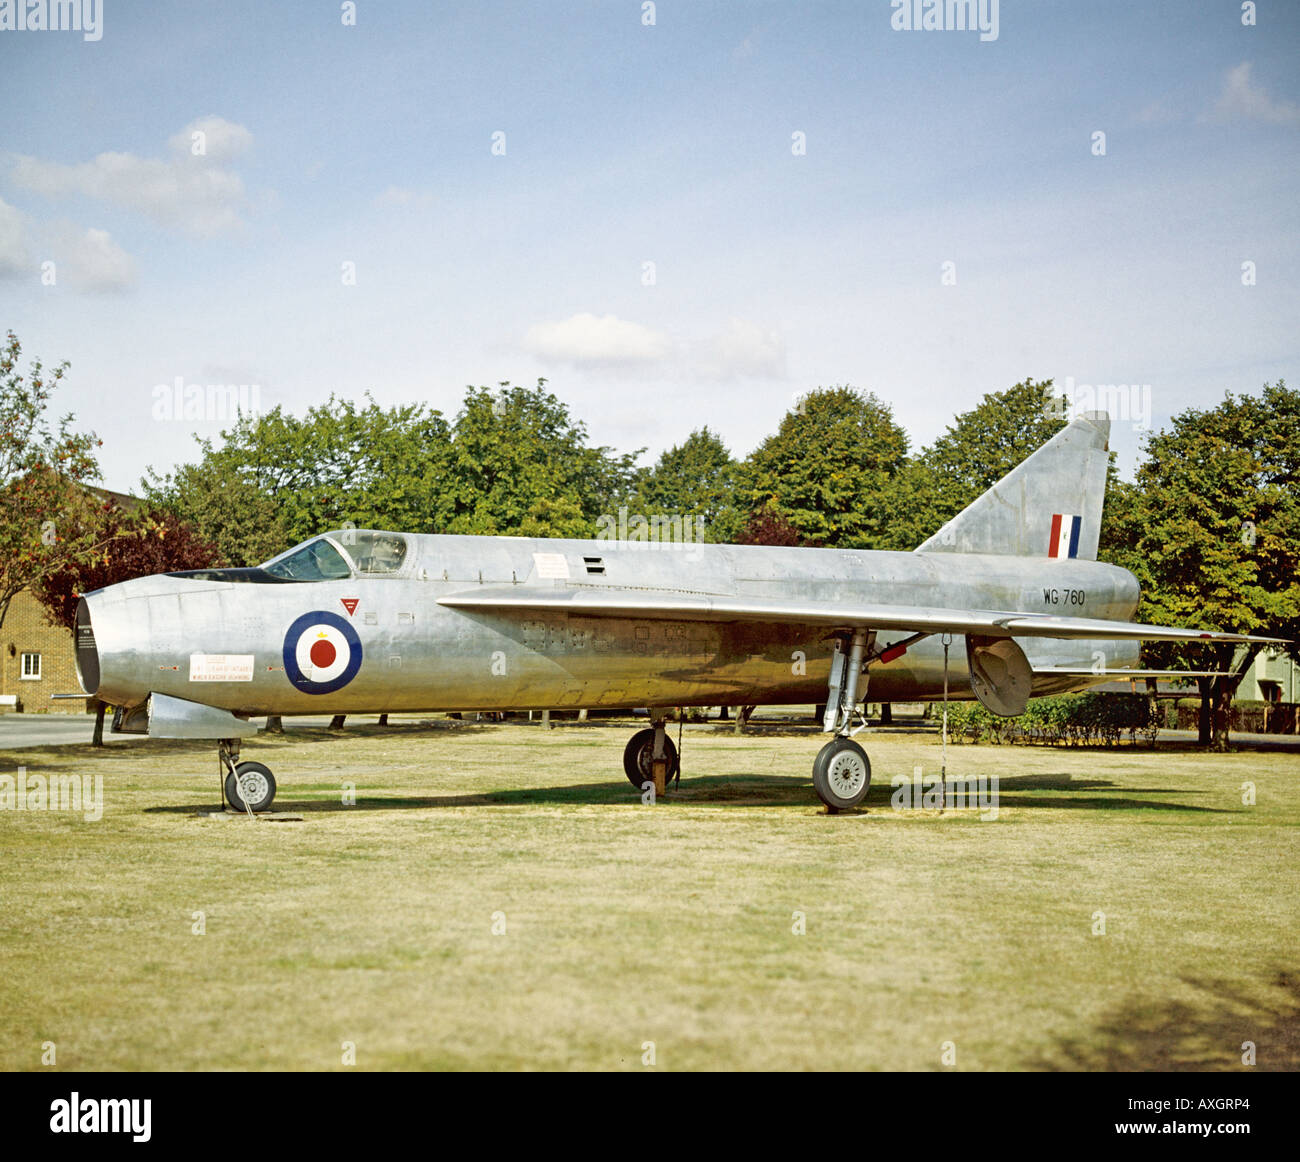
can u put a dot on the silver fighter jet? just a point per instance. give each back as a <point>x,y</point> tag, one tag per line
<point>1006,601</point>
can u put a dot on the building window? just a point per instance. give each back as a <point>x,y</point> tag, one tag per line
<point>32,667</point>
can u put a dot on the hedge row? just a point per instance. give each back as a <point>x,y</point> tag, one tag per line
<point>1245,716</point>
<point>1072,719</point>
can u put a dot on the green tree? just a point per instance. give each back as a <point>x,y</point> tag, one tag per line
<point>49,520</point>
<point>521,464</point>
<point>277,479</point>
<point>1211,529</point>
<point>830,470</point>
<point>982,445</point>
<point>513,462</point>
<point>695,478</point>
<point>226,503</point>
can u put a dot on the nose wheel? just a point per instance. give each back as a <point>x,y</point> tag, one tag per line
<point>248,786</point>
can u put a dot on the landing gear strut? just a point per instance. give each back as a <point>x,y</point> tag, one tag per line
<point>842,771</point>
<point>247,786</point>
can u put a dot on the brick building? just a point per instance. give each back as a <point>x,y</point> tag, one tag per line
<point>37,657</point>
<point>36,660</point>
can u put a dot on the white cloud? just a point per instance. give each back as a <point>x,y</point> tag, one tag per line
<point>88,261</point>
<point>586,339</point>
<point>15,260</point>
<point>189,192</point>
<point>1242,99</point>
<point>212,137</point>
<point>91,261</point>
<point>745,351</point>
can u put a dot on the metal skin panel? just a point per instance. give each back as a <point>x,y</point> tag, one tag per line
<point>419,655</point>
<point>174,718</point>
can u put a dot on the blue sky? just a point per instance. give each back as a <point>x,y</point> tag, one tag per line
<point>774,270</point>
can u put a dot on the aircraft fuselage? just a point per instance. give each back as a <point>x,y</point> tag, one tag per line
<point>389,646</point>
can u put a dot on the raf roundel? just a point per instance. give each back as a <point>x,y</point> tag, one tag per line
<point>322,653</point>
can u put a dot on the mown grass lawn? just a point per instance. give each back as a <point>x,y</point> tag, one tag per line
<point>618,925</point>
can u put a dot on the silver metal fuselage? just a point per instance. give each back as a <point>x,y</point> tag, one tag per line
<point>418,655</point>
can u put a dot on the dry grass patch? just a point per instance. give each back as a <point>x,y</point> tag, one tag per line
<point>626,924</point>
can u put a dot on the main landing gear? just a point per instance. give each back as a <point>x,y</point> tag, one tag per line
<point>842,771</point>
<point>246,786</point>
<point>641,751</point>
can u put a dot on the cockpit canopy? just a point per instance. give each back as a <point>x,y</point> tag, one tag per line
<point>331,557</point>
<point>317,560</point>
<point>374,552</point>
<point>338,555</point>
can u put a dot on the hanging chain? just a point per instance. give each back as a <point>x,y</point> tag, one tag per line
<point>943,762</point>
<point>681,718</point>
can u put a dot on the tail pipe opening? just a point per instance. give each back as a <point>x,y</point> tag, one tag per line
<point>87,654</point>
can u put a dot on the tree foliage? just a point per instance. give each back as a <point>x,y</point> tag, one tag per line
<point>829,470</point>
<point>48,519</point>
<point>520,464</point>
<point>695,478</point>
<point>277,479</point>
<point>768,527</point>
<point>161,544</point>
<point>980,447</point>
<point>1211,529</point>
<point>514,462</point>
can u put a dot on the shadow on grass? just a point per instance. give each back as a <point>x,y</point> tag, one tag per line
<point>261,741</point>
<point>1178,1036</point>
<point>1022,791</point>
<point>745,791</point>
<point>732,791</point>
<point>369,730</point>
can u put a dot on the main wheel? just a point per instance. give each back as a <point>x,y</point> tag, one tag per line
<point>250,783</point>
<point>841,774</point>
<point>638,756</point>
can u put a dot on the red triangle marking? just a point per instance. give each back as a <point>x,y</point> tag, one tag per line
<point>350,604</point>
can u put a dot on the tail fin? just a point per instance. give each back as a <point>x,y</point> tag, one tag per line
<point>1047,506</point>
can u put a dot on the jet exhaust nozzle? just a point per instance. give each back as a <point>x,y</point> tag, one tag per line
<point>1000,674</point>
<point>87,654</point>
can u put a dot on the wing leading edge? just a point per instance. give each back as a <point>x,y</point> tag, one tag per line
<point>676,605</point>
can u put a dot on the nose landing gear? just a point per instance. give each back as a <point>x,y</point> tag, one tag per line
<point>246,786</point>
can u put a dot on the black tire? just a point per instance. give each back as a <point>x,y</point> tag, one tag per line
<point>639,753</point>
<point>265,786</point>
<point>841,774</point>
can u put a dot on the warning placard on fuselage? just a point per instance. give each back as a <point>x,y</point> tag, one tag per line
<point>221,667</point>
<point>551,566</point>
